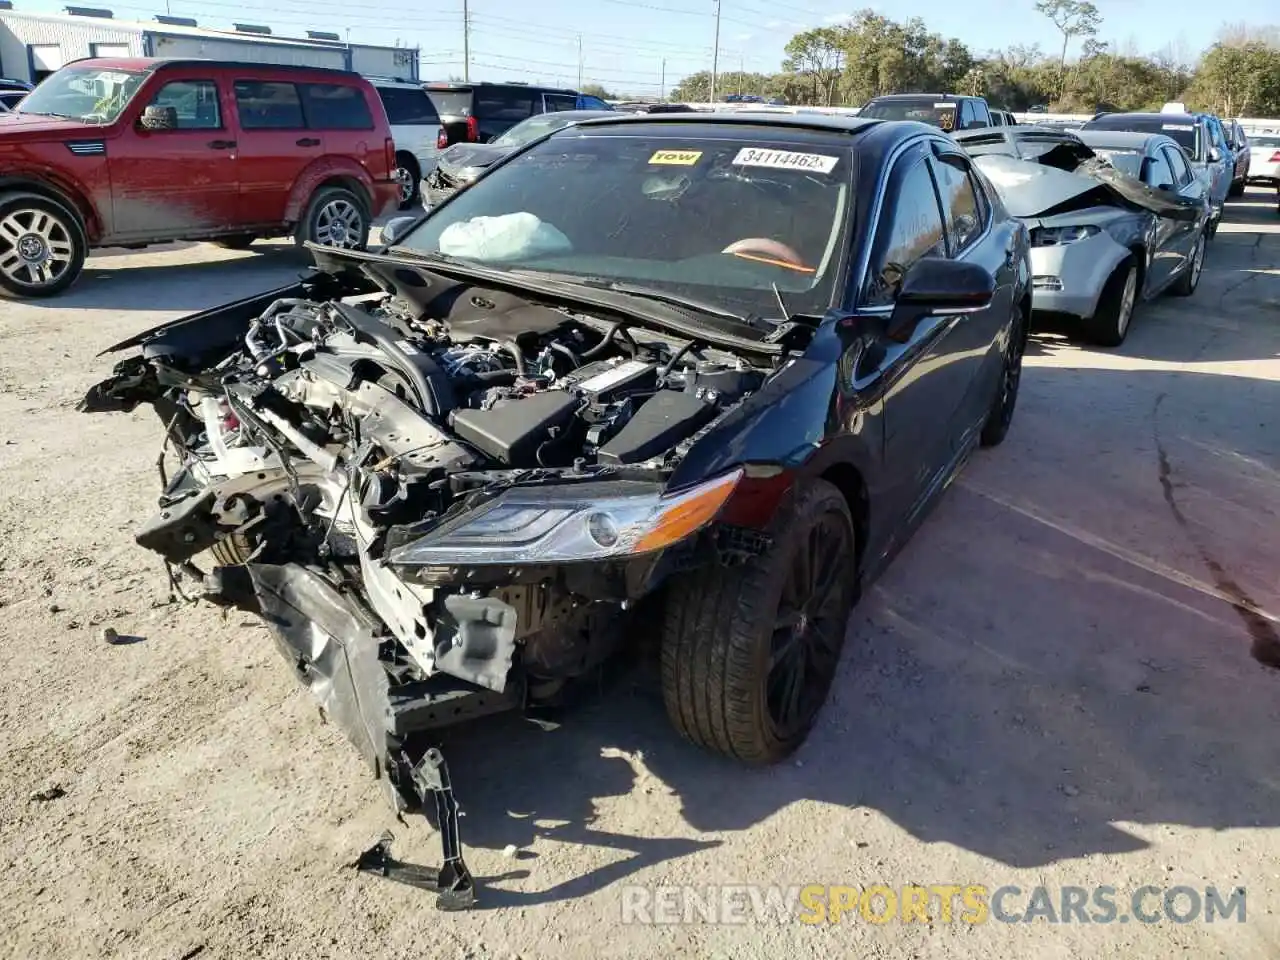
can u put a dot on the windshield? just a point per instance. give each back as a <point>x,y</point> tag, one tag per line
<point>936,113</point>
<point>83,93</point>
<point>710,219</point>
<point>1126,161</point>
<point>1184,132</point>
<point>526,131</point>
<point>451,103</point>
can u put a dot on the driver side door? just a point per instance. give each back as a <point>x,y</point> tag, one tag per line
<point>170,184</point>
<point>918,375</point>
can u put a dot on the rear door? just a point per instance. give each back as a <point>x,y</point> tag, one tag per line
<point>1166,255</point>
<point>1189,186</point>
<point>499,108</point>
<point>275,146</point>
<point>184,181</point>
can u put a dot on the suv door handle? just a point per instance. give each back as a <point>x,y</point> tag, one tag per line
<point>222,144</point>
<point>308,142</point>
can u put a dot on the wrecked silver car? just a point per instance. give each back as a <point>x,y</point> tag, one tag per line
<point>1115,219</point>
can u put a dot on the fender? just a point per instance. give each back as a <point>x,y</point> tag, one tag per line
<point>316,173</point>
<point>50,183</point>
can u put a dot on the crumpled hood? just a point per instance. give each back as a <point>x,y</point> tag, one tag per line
<point>469,156</point>
<point>1032,189</point>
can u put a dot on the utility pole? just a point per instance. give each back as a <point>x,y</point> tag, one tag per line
<point>715,54</point>
<point>579,62</point>
<point>662,82</point>
<point>742,72</point>
<point>466,42</point>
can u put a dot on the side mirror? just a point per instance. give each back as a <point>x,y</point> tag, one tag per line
<point>935,286</point>
<point>1164,186</point>
<point>159,118</point>
<point>395,229</point>
<point>1214,154</point>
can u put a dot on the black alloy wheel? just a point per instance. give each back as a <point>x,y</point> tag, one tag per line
<point>1000,417</point>
<point>749,652</point>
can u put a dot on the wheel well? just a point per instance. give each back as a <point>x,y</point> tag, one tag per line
<point>348,183</point>
<point>413,161</point>
<point>846,478</point>
<point>74,203</point>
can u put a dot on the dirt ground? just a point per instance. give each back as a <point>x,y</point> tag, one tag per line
<point>1056,684</point>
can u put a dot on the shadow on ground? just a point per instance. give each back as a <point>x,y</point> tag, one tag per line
<point>1017,686</point>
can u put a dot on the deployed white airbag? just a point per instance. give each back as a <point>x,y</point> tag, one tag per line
<point>505,237</point>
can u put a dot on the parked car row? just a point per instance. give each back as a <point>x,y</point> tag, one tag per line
<point>132,152</point>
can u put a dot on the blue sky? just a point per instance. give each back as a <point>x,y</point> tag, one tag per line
<point>624,43</point>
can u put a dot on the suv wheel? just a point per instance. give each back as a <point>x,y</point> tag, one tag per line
<point>408,176</point>
<point>335,217</point>
<point>749,652</point>
<point>42,246</point>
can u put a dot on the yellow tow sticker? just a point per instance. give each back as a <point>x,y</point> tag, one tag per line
<point>676,158</point>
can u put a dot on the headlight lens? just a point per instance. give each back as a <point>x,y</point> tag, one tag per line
<point>550,525</point>
<point>1056,236</point>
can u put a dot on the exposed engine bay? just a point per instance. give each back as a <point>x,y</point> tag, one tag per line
<point>331,451</point>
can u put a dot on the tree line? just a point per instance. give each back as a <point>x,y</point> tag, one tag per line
<point>871,54</point>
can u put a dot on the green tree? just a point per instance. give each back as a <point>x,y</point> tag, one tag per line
<point>1239,80</point>
<point>818,55</point>
<point>596,90</point>
<point>1073,18</point>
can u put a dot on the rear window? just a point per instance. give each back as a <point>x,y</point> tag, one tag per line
<point>451,103</point>
<point>1266,141</point>
<point>1183,131</point>
<point>937,113</point>
<point>330,106</point>
<point>510,105</point>
<point>406,108</point>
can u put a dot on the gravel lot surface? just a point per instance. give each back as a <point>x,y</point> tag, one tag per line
<point>1057,683</point>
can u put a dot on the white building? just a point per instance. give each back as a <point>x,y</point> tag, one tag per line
<point>33,45</point>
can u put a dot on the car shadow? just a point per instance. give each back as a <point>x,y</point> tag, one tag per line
<point>1027,680</point>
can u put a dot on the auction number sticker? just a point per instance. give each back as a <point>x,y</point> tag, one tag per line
<point>785,160</point>
<point>676,158</point>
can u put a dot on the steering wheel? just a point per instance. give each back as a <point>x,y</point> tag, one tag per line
<point>764,250</point>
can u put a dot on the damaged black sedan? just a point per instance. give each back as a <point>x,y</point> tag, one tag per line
<point>709,367</point>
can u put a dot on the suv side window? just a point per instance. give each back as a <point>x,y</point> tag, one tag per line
<point>408,108</point>
<point>268,105</point>
<point>1178,164</point>
<point>558,101</point>
<point>333,106</point>
<point>912,231</point>
<point>504,105</point>
<point>196,102</point>
<point>1157,170</point>
<point>965,119</point>
<point>960,203</point>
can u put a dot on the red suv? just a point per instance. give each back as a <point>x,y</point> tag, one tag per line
<point>130,152</point>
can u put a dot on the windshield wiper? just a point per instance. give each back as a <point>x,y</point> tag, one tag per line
<point>651,293</point>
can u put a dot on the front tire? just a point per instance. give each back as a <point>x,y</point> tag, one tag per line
<point>335,217</point>
<point>43,246</point>
<point>1110,324</point>
<point>749,652</point>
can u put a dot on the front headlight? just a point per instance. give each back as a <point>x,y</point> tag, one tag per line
<point>1056,236</point>
<point>559,524</point>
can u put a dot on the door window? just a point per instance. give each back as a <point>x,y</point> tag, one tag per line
<point>1156,171</point>
<point>334,106</point>
<point>912,230</point>
<point>408,108</point>
<point>1177,163</point>
<point>508,106</point>
<point>196,103</point>
<point>267,105</point>
<point>960,204</point>
<point>558,101</point>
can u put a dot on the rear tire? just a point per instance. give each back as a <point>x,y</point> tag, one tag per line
<point>409,177</point>
<point>335,217</point>
<point>43,245</point>
<point>1001,415</point>
<point>1189,279</point>
<point>1237,189</point>
<point>741,644</point>
<point>1111,322</point>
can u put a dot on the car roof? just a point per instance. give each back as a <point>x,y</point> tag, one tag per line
<point>835,126</point>
<point>923,96</point>
<point>1121,139</point>
<point>152,64</point>
<point>1152,117</point>
<point>573,114</point>
<point>461,86</point>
